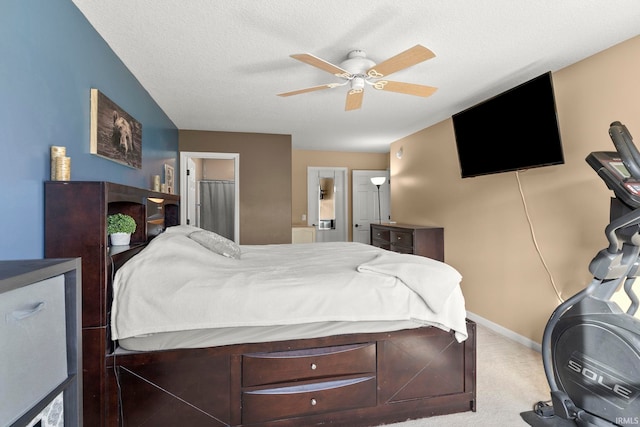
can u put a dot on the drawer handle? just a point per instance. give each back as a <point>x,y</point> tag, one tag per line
<point>23,314</point>
<point>314,366</point>
<point>314,402</point>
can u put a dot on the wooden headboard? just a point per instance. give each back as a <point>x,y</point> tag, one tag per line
<point>76,226</point>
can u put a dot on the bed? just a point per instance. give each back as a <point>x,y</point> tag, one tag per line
<point>236,369</point>
<point>215,334</point>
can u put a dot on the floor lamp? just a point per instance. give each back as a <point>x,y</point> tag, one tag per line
<point>378,181</point>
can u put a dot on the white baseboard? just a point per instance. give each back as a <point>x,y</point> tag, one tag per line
<point>505,332</point>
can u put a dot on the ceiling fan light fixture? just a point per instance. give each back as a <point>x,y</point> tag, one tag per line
<point>357,83</point>
<point>358,70</point>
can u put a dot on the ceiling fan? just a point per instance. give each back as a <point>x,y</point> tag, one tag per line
<point>357,70</point>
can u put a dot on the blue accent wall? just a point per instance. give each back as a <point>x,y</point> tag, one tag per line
<point>50,58</point>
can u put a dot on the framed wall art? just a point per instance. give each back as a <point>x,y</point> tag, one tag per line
<point>115,135</point>
<point>169,178</point>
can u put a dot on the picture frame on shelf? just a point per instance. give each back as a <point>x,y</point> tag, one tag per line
<point>169,178</point>
<point>115,134</point>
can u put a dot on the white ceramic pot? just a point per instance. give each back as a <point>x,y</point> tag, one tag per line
<point>120,239</point>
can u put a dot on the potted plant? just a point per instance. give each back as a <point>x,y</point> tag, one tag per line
<point>119,228</point>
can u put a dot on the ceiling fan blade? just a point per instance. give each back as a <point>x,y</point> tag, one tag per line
<point>320,63</point>
<point>403,60</point>
<point>308,89</point>
<point>354,99</point>
<point>406,88</point>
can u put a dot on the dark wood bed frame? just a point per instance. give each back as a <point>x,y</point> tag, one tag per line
<point>344,380</point>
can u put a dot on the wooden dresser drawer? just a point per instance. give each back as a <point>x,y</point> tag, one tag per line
<point>379,234</point>
<point>315,398</point>
<point>381,244</point>
<point>401,249</point>
<point>279,367</point>
<point>402,238</point>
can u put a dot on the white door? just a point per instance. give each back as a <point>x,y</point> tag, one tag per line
<point>365,203</point>
<point>327,230</point>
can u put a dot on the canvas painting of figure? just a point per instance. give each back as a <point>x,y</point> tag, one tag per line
<point>115,135</point>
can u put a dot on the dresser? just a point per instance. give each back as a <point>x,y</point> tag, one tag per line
<point>420,240</point>
<point>40,354</point>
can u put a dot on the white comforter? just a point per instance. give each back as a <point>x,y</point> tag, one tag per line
<point>176,284</point>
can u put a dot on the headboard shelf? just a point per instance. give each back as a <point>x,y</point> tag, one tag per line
<point>76,226</point>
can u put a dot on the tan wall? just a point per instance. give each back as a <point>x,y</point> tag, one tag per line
<point>265,180</point>
<point>222,169</point>
<point>301,159</point>
<point>487,232</point>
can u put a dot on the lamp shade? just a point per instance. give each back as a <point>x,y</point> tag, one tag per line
<point>378,180</point>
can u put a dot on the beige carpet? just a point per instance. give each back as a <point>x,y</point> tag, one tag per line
<point>510,380</point>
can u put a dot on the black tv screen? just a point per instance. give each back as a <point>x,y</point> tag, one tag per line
<point>515,130</point>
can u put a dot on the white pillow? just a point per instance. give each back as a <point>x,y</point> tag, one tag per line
<point>182,229</point>
<point>216,243</point>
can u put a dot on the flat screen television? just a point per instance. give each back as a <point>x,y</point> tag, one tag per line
<point>515,130</point>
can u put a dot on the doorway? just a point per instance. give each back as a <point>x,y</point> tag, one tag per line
<point>327,207</point>
<point>210,189</point>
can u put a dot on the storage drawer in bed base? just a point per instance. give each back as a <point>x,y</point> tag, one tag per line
<point>419,373</point>
<point>298,365</point>
<point>328,396</point>
<point>284,384</point>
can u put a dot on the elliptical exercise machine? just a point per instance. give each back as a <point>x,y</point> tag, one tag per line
<point>590,346</point>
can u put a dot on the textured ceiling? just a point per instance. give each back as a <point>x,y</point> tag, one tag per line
<point>218,65</point>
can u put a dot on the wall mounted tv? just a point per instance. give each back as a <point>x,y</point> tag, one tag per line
<point>515,130</point>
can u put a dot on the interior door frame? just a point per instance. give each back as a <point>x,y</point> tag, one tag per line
<point>342,198</point>
<point>184,156</point>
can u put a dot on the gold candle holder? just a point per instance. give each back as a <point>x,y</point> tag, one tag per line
<point>56,152</point>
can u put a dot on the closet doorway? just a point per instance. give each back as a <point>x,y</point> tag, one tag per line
<point>210,192</point>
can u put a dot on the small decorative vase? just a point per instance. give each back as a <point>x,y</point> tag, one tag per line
<point>120,239</point>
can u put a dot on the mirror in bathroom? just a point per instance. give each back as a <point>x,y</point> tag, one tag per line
<point>327,204</point>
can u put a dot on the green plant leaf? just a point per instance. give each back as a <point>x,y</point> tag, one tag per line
<point>120,223</point>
